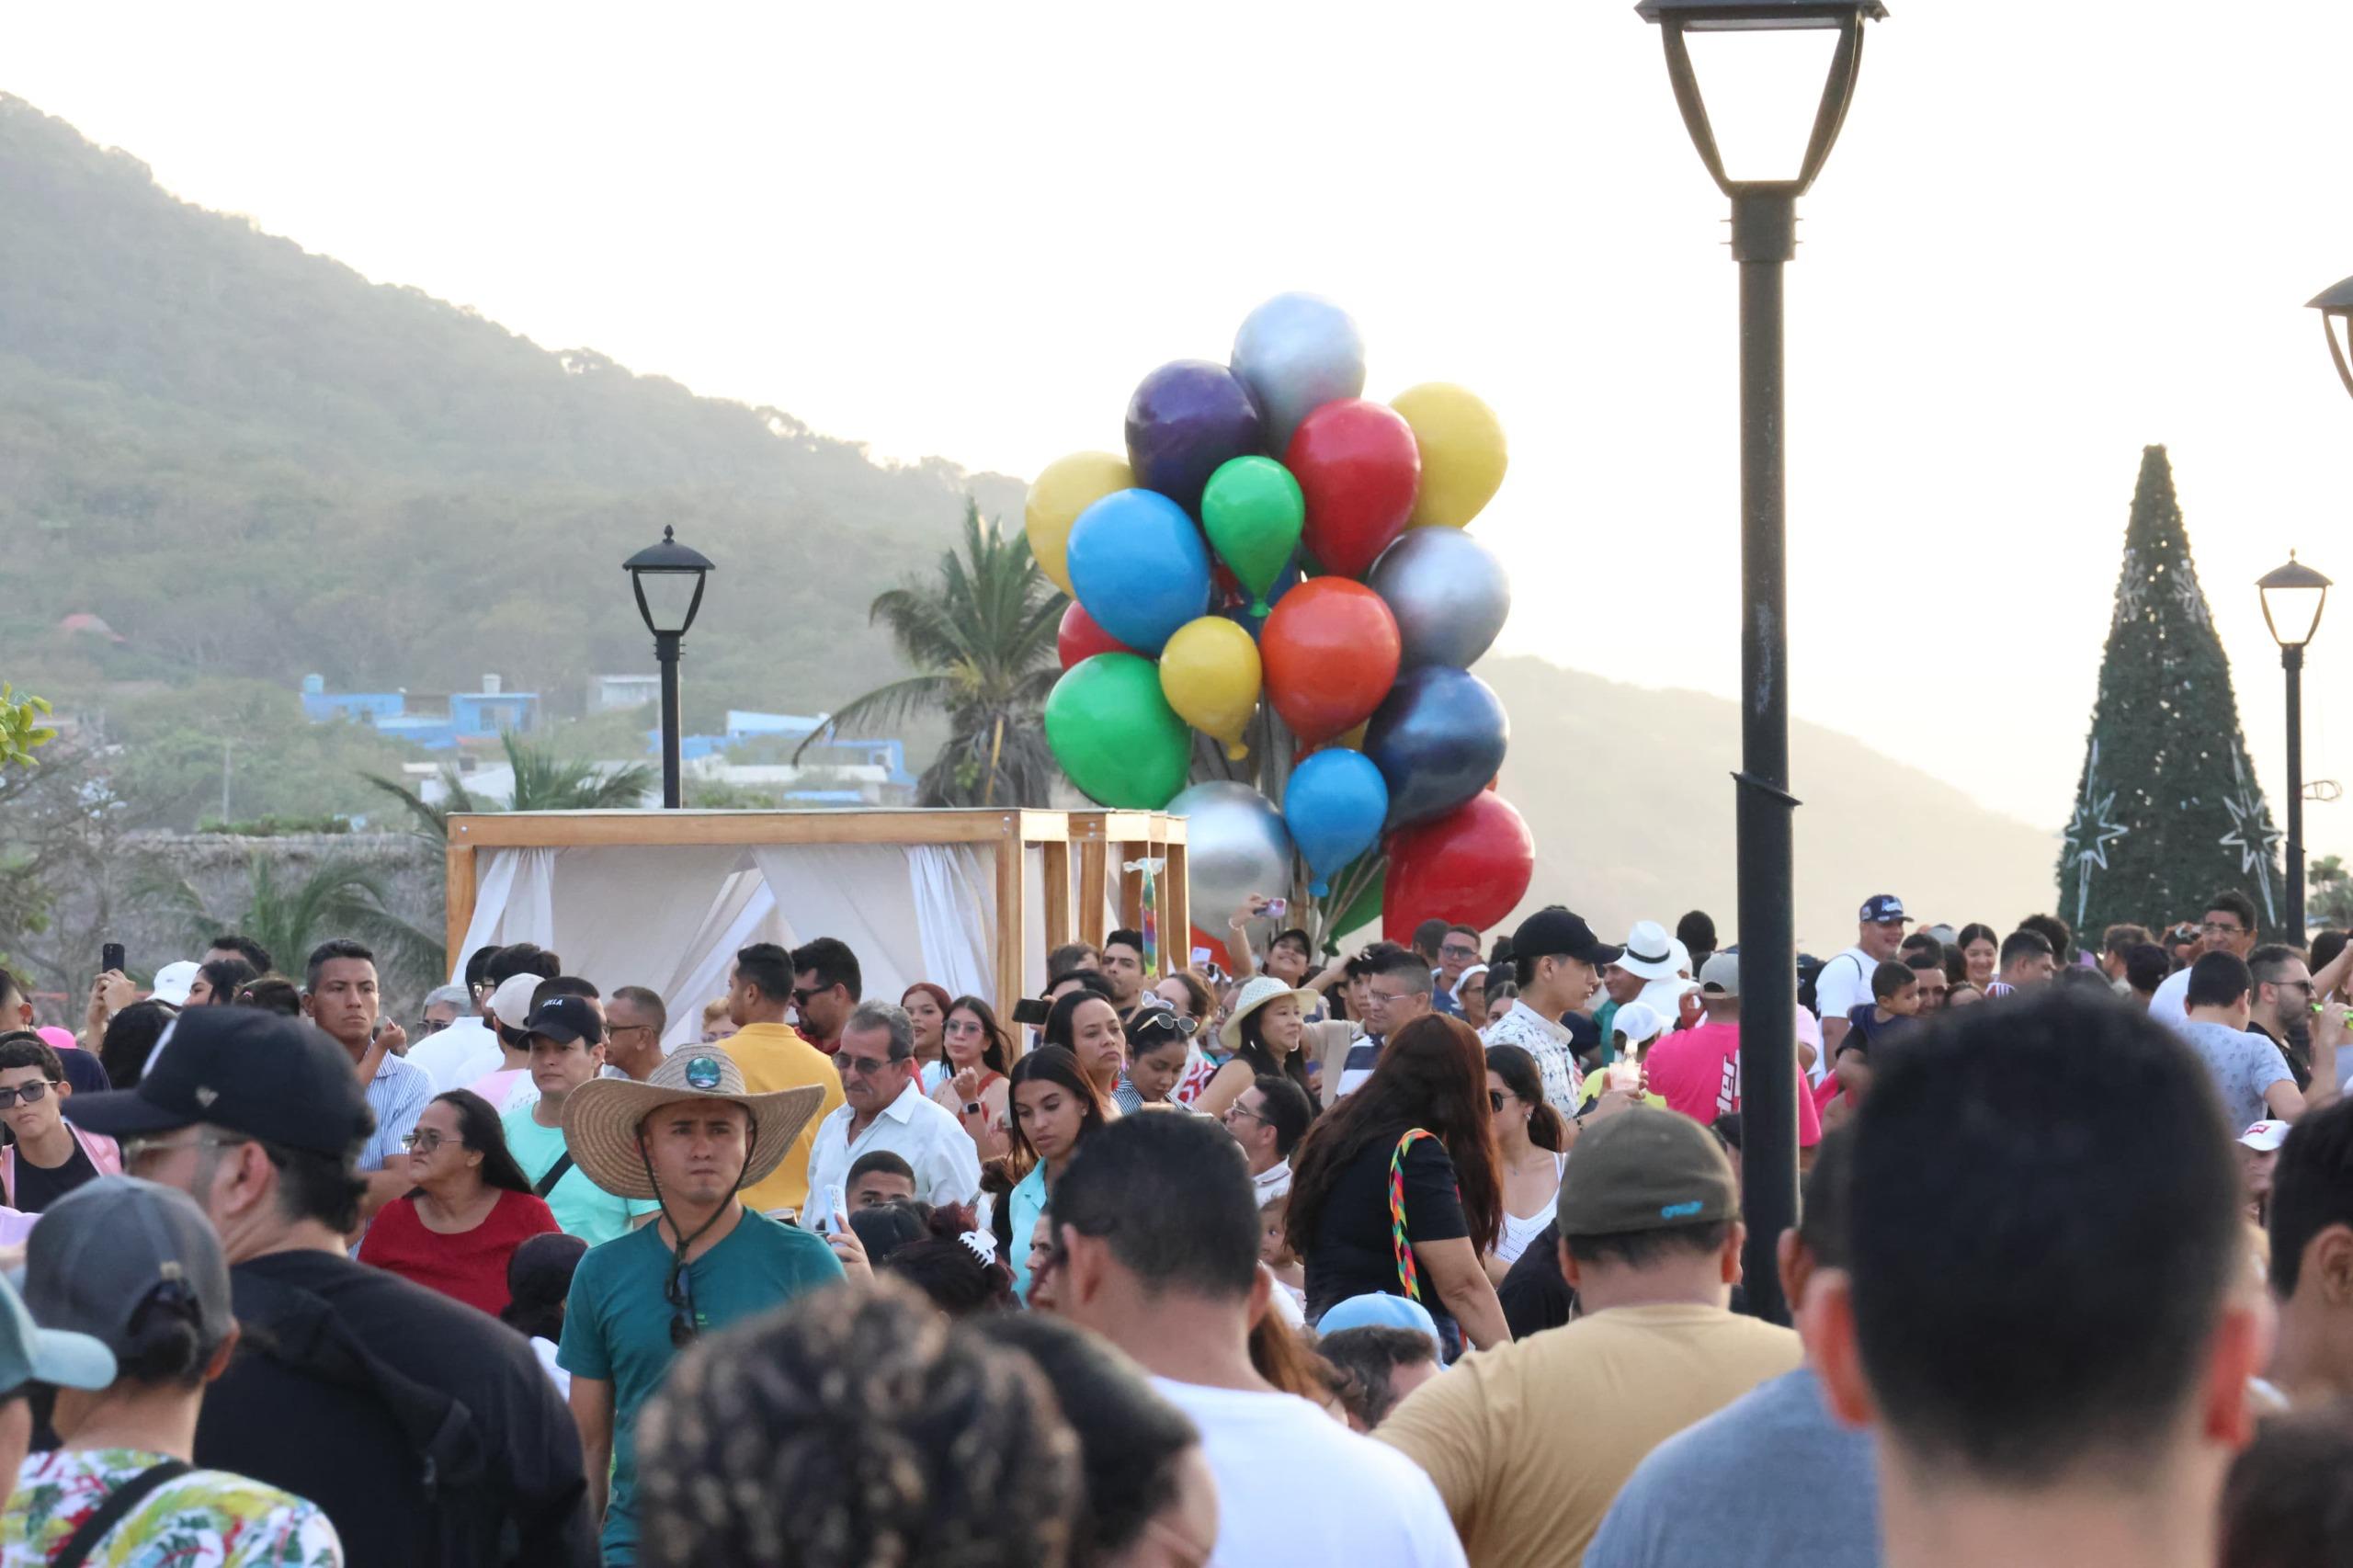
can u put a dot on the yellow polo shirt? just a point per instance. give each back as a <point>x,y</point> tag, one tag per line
<point>773,1057</point>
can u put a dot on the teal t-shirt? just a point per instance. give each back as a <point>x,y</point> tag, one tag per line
<point>616,1324</point>
<point>582,1208</point>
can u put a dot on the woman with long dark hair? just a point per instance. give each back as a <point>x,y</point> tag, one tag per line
<point>978,1054</point>
<point>1981,948</point>
<point>218,982</point>
<point>926,1005</point>
<point>1394,1189</point>
<point>1266,1032</point>
<point>1531,1144</point>
<point>1055,1108</point>
<point>472,1207</point>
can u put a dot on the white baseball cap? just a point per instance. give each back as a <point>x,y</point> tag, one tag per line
<point>512,1000</point>
<point>2264,1136</point>
<point>174,981</point>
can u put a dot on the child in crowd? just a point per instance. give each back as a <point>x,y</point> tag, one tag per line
<point>1894,1004</point>
<point>1274,1250</point>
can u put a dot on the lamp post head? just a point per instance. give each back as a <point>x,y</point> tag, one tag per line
<point>668,578</point>
<point>2294,597</point>
<point>1676,18</point>
<point>2336,308</point>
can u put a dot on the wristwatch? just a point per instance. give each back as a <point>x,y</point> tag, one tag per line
<point>973,1108</point>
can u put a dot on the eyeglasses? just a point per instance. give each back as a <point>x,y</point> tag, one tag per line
<point>30,1093</point>
<point>433,1026</point>
<point>679,1292</point>
<point>1387,997</point>
<point>801,994</point>
<point>423,1142</point>
<point>628,1029</point>
<point>1233,1110</point>
<point>863,1066</point>
<point>2217,928</point>
<point>138,1150</point>
<point>1496,1100</point>
<point>1457,951</point>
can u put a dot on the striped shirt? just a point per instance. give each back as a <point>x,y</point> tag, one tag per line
<point>398,1095</point>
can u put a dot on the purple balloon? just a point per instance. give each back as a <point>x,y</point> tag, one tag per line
<point>1186,420</point>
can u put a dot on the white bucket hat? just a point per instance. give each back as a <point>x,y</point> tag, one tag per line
<point>1262,989</point>
<point>1650,952</point>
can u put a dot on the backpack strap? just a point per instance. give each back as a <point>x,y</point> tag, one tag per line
<point>1406,1276</point>
<point>546,1184</point>
<point>94,1530</point>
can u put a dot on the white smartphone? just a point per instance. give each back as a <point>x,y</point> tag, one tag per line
<point>836,1209</point>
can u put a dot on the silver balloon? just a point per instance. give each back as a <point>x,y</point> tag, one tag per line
<point>1448,592</point>
<point>1235,845</point>
<point>1296,353</point>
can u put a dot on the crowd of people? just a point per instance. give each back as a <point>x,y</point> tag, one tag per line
<point>1424,1253</point>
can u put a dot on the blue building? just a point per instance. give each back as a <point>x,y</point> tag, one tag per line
<point>471,715</point>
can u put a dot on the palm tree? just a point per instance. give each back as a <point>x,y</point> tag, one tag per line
<point>543,782</point>
<point>339,898</point>
<point>982,641</point>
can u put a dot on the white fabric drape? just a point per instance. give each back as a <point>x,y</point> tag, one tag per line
<point>744,913</point>
<point>514,902</point>
<point>863,894</point>
<point>952,889</point>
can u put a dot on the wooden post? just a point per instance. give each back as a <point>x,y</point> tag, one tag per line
<point>457,898</point>
<point>1176,907</point>
<point>1093,874</point>
<point>1057,862</point>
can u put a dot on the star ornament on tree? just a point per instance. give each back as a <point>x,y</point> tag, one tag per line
<point>2090,832</point>
<point>2251,833</point>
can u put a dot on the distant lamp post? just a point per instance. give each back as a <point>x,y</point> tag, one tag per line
<point>2293,595</point>
<point>668,579</point>
<point>1753,51</point>
<point>2336,308</point>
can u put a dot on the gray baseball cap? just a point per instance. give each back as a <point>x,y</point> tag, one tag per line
<point>102,1251</point>
<point>31,1353</point>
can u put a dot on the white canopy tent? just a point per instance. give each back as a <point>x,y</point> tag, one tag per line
<point>970,900</point>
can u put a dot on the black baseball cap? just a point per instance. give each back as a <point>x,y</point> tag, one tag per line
<point>252,1072</point>
<point>1552,930</point>
<point>564,1019</point>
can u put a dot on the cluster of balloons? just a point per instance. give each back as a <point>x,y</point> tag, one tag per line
<point>1274,538</point>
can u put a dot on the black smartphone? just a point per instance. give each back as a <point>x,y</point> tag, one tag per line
<point>1031,1010</point>
<point>110,958</point>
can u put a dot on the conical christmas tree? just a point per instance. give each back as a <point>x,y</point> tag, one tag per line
<point>2167,811</point>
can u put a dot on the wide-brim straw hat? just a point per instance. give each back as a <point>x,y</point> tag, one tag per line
<point>1262,989</point>
<point>602,1116</point>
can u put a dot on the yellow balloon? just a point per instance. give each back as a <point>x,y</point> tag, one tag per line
<point>1464,456</point>
<point>1210,673</point>
<point>1067,487</point>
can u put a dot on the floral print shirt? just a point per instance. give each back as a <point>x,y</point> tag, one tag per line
<point>207,1518</point>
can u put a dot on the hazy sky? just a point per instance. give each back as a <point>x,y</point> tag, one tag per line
<point>2049,235</point>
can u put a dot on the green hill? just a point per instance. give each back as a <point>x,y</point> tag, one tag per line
<point>254,464</point>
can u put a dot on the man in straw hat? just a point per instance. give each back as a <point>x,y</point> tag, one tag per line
<point>690,1138</point>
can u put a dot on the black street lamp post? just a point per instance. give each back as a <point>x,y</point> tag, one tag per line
<point>668,578</point>
<point>2293,595</point>
<point>1764,235</point>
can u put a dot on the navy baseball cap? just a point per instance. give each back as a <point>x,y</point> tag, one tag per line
<point>564,1019</point>
<point>1883,909</point>
<point>257,1073</point>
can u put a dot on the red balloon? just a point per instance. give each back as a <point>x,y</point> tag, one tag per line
<point>1329,651</point>
<point>1472,865</point>
<point>1358,469</point>
<point>1080,639</point>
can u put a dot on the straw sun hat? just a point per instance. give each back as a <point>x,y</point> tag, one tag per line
<point>602,1116</point>
<point>1262,989</point>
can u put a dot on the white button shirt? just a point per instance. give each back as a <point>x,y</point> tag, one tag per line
<point>915,1127</point>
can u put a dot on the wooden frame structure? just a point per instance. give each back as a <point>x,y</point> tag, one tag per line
<point>1105,841</point>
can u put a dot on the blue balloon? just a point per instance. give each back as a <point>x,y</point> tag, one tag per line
<point>1334,805</point>
<point>1254,624</point>
<point>1187,420</point>
<point>1140,567</point>
<point>1437,739</point>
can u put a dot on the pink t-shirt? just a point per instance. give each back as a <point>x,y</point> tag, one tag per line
<point>1697,1072</point>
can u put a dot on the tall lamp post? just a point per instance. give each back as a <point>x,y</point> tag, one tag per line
<point>1763,225</point>
<point>2292,597</point>
<point>668,579</point>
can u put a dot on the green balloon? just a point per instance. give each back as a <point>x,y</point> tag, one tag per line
<point>1115,734</point>
<point>1253,512</point>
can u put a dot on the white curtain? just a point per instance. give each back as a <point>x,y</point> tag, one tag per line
<point>514,902</point>
<point>744,913</point>
<point>862,893</point>
<point>955,897</point>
